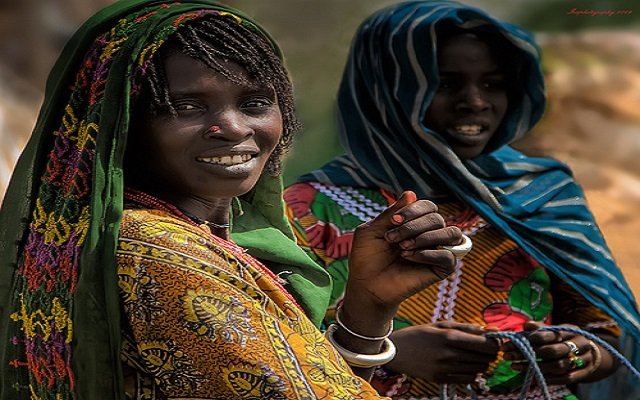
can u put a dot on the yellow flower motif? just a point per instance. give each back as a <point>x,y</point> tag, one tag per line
<point>171,367</point>
<point>254,382</point>
<point>69,121</point>
<point>127,283</point>
<point>82,226</point>
<point>57,229</point>
<point>39,216</point>
<point>39,321</point>
<point>86,134</point>
<point>150,50</point>
<point>218,316</point>
<point>157,356</point>
<point>34,396</point>
<point>61,318</point>
<point>113,46</point>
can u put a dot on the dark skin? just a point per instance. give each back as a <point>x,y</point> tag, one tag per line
<point>467,110</point>
<point>471,99</point>
<point>180,159</point>
<point>553,351</point>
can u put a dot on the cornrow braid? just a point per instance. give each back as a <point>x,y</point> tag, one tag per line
<point>216,40</point>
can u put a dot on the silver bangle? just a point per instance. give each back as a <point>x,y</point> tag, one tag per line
<point>363,337</point>
<point>461,249</point>
<point>362,360</point>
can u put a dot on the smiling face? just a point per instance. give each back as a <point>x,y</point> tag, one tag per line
<point>217,144</point>
<point>471,100</point>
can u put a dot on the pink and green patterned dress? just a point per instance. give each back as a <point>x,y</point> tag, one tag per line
<point>497,283</point>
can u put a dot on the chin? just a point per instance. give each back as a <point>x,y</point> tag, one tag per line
<point>235,189</point>
<point>466,153</point>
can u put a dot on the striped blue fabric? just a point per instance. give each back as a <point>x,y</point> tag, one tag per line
<point>388,83</point>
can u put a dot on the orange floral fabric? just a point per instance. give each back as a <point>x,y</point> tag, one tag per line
<point>205,322</point>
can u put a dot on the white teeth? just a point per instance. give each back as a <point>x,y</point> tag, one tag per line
<point>226,160</point>
<point>469,129</point>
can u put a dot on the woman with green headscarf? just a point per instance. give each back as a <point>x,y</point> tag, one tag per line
<point>144,251</point>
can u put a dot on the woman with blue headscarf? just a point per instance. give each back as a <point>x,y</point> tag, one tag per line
<point>432,95</point>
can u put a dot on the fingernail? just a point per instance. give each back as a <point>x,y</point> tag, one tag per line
<point>407,244</point>
<point>491,328</point>
<point>392,236</point>
<point>397,218</point>
<point>406,253</point>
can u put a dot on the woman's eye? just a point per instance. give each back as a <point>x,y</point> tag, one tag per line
<point>185,107</point>
<point>257,103</point>
<point>446,84</point>
<point>498,84</point>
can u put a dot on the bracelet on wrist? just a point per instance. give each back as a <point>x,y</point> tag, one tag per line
<point>359,336</point>
<point>362,360</point>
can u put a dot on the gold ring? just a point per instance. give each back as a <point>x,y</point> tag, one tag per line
<point>575,362</point>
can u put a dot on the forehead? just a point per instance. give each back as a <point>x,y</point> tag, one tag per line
<point>466,50</point>
<point>184,72</point>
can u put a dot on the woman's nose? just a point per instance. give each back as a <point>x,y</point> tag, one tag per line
<point>230,125</point>
<point>472,99</point>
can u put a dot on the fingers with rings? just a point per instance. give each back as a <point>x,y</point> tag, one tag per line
<point>573,348</point>
<point>575,361</point>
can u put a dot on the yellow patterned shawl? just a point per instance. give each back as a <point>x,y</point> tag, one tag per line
<point>204,320</point>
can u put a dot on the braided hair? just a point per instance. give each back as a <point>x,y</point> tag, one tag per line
<point>216,40</point>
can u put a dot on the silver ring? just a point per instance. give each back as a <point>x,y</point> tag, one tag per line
<point>573,348</point>
<point>461,249</point>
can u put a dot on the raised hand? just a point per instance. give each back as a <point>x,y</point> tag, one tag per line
<point>444,352</point>
<point>397,254</point>
<point>393,256</point>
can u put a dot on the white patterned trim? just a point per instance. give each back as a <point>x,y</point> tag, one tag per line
<point>448,288</point>
<point>352,201</point>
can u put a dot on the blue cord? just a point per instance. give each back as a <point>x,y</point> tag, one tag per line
<point>521,341</point>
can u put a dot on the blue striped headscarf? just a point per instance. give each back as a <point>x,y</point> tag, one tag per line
<point>388,84</point>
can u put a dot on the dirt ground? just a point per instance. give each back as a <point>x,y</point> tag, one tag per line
<point>616,209</point>
<point>593,124</point>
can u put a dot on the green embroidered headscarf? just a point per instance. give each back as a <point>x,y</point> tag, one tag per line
<point>59,305</point>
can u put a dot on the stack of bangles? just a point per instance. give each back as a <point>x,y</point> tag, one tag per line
<point>362,360</point>
<point>388,348</point>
